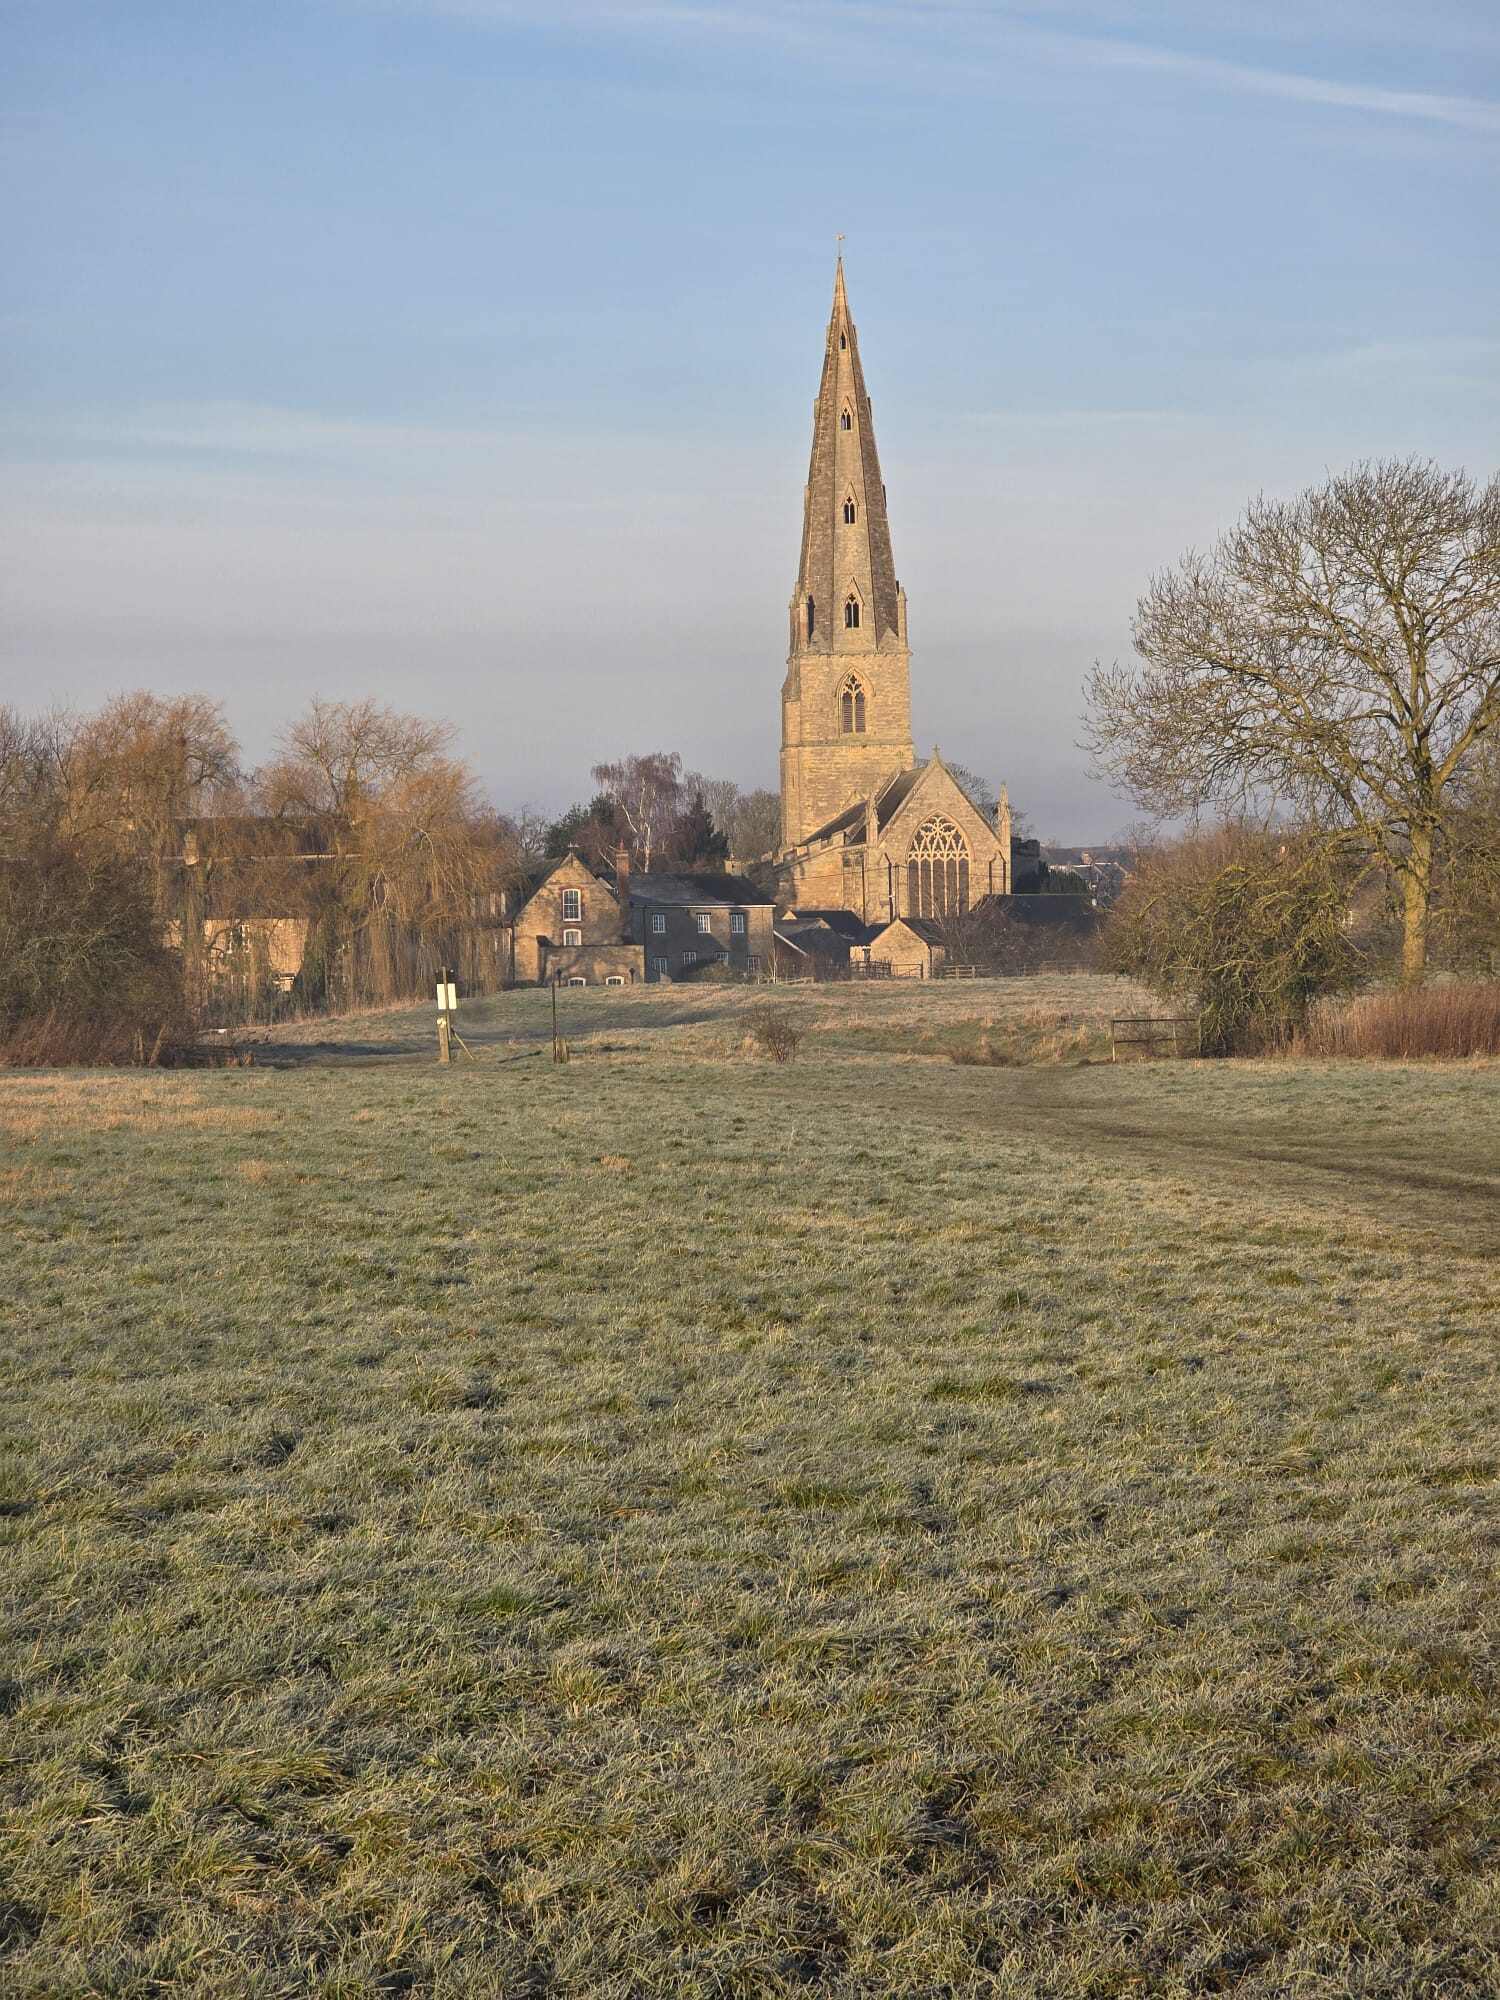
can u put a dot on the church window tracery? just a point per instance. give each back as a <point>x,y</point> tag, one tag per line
<point>846,419</point>
<point>852,707</point>
<point>851,612</point>
<point>851,512</point>
<point>937,870</point>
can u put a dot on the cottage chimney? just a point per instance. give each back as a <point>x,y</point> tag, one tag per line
<point>622,887</point>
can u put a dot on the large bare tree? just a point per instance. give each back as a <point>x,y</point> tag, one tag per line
<point>646,792</point>
<point>1337,654</point>
<point>135,770</point>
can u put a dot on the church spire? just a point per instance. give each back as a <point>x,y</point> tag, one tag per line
<point>846,699</point>
<point>846,579</point>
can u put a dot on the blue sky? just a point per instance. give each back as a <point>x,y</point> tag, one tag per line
<point>463,351</point>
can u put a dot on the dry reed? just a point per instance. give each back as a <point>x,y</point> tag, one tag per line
<point>1455,1019</point>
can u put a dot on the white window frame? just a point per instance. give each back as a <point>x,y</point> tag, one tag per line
<point>572,906</point>
<point>661,967</point>
<point>571,937</point>
<point>752,963</point>
<point>690,958</point>
<point>576,979</point>
<point>705,922</point>
<point>738,923</point>
<point>614,979</point>
<point>658,923</point>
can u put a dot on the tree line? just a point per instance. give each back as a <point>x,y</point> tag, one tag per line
<point>145,873</point>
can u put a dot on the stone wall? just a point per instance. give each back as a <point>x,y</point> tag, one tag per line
<point>595,964</point>
<point>671,931</point>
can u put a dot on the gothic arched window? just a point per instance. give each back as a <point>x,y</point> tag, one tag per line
<point>851,612</point>
<point>937,870</point>
<point>851,512</point>
<point>852,706</point>
<point>843,342</point>
<point>846,420</point>
<point>810,619</point>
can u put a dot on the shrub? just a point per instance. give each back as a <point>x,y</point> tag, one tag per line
<point>1454,1019</point>
<point>776,1032</point>
<point>709,972</point>
<point>1246,924</point>
<point>84,974</point>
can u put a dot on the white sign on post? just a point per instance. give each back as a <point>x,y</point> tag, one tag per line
<point>447,999</point>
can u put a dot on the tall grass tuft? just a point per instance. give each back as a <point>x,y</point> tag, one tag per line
<point>1458,1018</point>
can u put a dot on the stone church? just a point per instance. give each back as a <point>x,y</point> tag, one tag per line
<point>864,826</point>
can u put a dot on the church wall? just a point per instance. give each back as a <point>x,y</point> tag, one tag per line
<point>833,878</point>
<point>822,768</point>
<point>940,795</point>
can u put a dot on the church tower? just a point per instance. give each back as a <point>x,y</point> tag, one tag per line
<point>846,700</point>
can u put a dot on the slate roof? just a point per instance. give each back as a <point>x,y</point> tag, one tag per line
<point>888,802</point>
<point>1075,913</point>
<point>815,940</point>
<point>848,926</point>
<point>705,888</point>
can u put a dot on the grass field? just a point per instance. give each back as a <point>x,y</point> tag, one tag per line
<point>673,1524</point>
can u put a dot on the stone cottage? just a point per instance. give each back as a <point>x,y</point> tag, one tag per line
<point>574,927</point>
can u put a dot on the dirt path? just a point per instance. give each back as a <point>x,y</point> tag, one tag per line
<point>1426,1181</point>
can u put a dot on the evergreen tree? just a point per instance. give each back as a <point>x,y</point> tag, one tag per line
<point>698,841</point>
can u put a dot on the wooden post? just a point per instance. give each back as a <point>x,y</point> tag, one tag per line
<point>445,1023</point>
<point>559,1046</point>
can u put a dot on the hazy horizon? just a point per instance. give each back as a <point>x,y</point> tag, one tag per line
<point>462,352</point>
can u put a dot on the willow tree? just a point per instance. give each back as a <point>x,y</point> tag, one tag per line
<point>1337,655</point>
<point>408,855</point>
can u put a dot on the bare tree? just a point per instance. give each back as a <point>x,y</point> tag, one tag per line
<point>721,796</point>
<point>754,827</point>
<point>142,765</point>
<point>1338,654</point>
<point>32,752</point>
<point>980,793</point>
<point>751,821</point>
<point>1470,888</point>
<point>407,851</point>
<point>647,794</point>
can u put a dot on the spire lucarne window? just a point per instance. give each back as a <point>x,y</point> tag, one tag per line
<point>937,870</point>
<point>851,512</point>
<point>851,612</point>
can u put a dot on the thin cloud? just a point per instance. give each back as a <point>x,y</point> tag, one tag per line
<point>989,32</point>
<point>1477,113</point>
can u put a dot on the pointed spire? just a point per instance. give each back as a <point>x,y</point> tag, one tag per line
<point>846,537</point>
